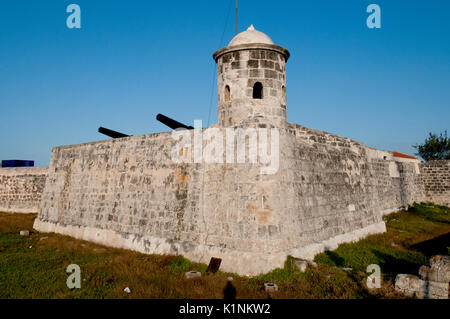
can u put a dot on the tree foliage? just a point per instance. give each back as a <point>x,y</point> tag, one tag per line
<point>435,147</point>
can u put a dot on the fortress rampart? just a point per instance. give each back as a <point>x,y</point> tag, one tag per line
<point>154,194</point>
<point>436,180</point>
<point>129,193</point>
<point>21,189</point>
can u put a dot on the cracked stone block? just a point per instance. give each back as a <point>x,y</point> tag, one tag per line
<point>413,286</point>
<point>439,270</point>
<point>434,274</point>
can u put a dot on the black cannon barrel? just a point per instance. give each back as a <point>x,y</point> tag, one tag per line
<point>111,133</point>
<point>172,123</point>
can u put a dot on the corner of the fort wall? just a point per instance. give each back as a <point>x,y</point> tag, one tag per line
<point>21,188</point>
<point>129,193</point>
<point>338,189</point>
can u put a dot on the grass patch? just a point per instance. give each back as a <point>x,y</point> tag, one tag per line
<point>412,237</point>
<point>34,266</point>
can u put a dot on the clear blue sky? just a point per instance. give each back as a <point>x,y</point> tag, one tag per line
<point>133,59</point>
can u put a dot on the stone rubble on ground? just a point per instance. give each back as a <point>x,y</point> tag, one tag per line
<point>270,287</point>
<point>434,281</point>
<point>193,274</point>
<point>302,264</point>
<point>439,270</point>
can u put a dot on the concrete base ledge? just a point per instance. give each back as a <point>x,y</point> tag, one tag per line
<point>240,262</point>
<point>19,210</point>
<point>308,252</point>
<point>393,210</point>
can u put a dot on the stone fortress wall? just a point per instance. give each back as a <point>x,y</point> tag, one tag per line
<point>436,180</point>
<point>128,193</point>
<point>338,189</point>
<point>326,190</point>
<point>21,188</point>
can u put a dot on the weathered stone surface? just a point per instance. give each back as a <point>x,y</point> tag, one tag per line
<point>436,179</point>
<point>412,286</point>
<point>21,188</point>
<point>259,69</point>
<point>439,270</point>
<point>128,193</point>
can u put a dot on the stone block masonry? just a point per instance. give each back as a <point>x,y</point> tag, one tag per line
<point>21,189</point>
<point>434,281</point>
<point>239,71</point>
<point>413,286</point>
<point>436,180</point>
<point>128,193</point>
<point>337,189</point>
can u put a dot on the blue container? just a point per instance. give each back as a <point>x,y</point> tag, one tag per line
<point>17,163</point>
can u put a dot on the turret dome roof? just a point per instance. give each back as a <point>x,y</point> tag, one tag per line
<point>251,35</point>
